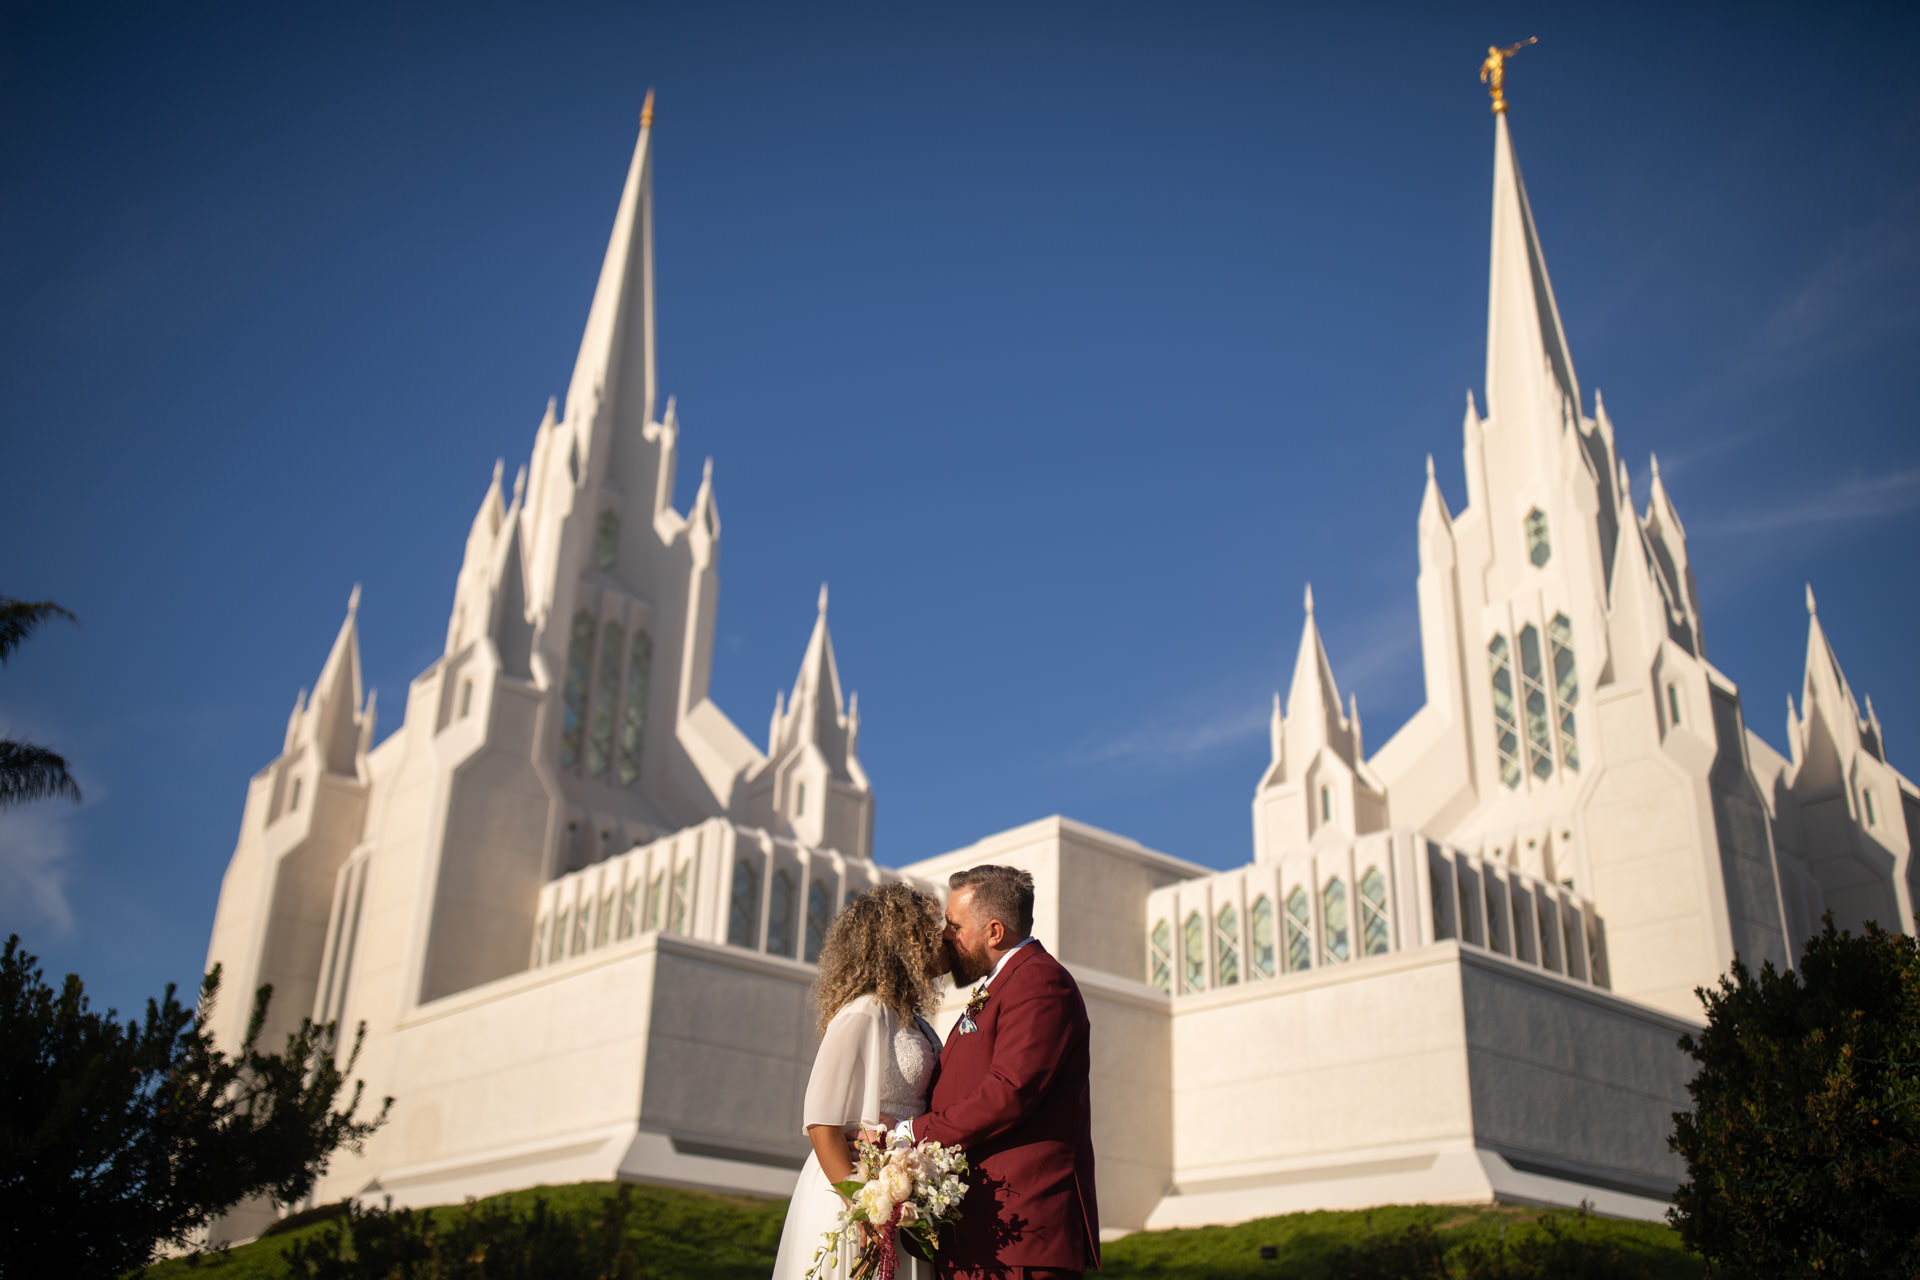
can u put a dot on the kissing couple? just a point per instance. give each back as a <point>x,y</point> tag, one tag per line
<point>1009,1087</point>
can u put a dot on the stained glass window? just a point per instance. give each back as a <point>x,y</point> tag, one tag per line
<point>1160,956</point>
<point>1226,946</point>
<point>633,719</point>
<point>603,927</point>
<point>1260,948</point>
<point>580,919</point>
<point>1673,705</point>
<point>1326,804</point>
<point>655,903</point>
<point>780,915</point>
<point>1299,931</point>
<point>819,916</point>
<point>630,910</point>
<point>606,539</point>
<point>294,802</point>
<point>574,692</point>
<point>1576,951</point>
<point>1566,687</point>
<point>1539,735</point>
<point>1549,939</point>
<point>560,934</point>
<point>800,802</point>
<point>1333,919</point>
<point>677,909</point>
<point>1539,548</point>
<point>1506,726</point>
<point>1496,936</point>
<point>743,908</point>
<point>1463,899</point>
<point>540,943</point>
<point>1373,913</point>
<point>1194,955</point>
<point>606,686</point>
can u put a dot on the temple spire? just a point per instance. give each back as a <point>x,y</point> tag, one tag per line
<point>1529,369</point>
<point>615,367</point>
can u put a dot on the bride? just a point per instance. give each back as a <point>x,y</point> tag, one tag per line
<point>877,1053</point>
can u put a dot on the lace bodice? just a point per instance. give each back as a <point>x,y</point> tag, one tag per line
<point>903,1087</point>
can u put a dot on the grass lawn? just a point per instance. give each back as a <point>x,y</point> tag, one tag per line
<point>699,1236</point>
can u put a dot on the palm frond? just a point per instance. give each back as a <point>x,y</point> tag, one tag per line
<point>18,618</point>
<point>28,773</point>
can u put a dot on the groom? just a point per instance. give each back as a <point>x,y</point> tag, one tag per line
<point>1011,1091</point>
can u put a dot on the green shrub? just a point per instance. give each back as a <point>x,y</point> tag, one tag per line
<point>477,1242</point>
<point>1803,1147</point>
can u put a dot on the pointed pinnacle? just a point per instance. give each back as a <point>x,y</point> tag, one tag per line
<point>499,469</point>
<point>706,472</point>
<point>1653,461</point>
<point>1810,606</point>
<point>520,482</point>
<point>1429,466</point>
<point>823,598</point>
<point>1309,599</point>
<point>353,600</point>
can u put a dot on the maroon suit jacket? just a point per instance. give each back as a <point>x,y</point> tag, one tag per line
<point>1013,1095</point>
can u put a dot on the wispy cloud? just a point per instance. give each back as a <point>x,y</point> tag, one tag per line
<point>1860,292</point>
<point>1856,498</point>
<point>36,842</point>
<point>1177,733</point>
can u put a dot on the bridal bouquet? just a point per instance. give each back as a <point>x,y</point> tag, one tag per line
<point>900,1189</point>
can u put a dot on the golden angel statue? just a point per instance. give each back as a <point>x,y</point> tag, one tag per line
<point>1493,72</point>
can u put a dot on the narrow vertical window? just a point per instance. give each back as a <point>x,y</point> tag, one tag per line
<point>1333,920</point>
<point>1373,913</point>
<point>1299,931</point>
<point>630,910</point>
<point>560,925</point>
<point>293,802</point>
<point>603,927</point>
<point>540,943</point>
<point>1866,802</point>
<point>466,698</point>
<point>633,719</point>
<point>743,908</point>
<point>1496,936</point>
<point>1566,688</point>
<point>1160,956</point>
<point>581,917</point>
<point>819,916</point>
<point>1506,724</point>
<point>800,801</point>
<point>1194,957</point>
<point>1539,546</point>
<point>606,539</point>
<point>655,899</point>
<point>1326,804</point>
<point>574,691</point>
<point>780,915</point>
<point>606,686</point>
<point>677,908</point>
<point>1539,735</point>
<point>1260,948</point>
<point>1226,946</point>
<point>1463,899</point>
<point>1673,705</point>
<point>1549,934</point>
<point>1576,950</point>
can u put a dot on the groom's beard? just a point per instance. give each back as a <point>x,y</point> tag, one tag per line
<point>967,967</point>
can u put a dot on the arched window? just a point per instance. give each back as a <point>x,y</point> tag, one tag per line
<point>1226,946</point>
<point>1160,956</point>
<point>606,686</point>
<point>574,692</point>
<point>1260,950</point>
<point>819,916</point>
<point>580,915</point>
<point>1299,931</point>
<point>633,720</point>
<point>603,927</point>
<point>1566,687</point>
<point>743,908</point>
<point>1539,736</point>
<point>677,909</point>
<point>606,539</point>
<point>1194,958</point>
<point>560,926</point>
<point>1333,920</point>
<point>540,943</point>
<point>656,900</point>
<point>630,910</point>
<point>780,915</point>
<point>1539,547</point>
<point>1506,725</point>
<point>1496,936</point>
<point>1373,913</point>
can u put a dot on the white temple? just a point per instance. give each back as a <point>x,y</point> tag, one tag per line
<point>576,905</point>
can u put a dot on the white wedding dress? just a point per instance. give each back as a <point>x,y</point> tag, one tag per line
<point>869,1065</point>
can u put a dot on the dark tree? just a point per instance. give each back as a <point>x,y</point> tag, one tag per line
<point>28,772</point>
<point>118,1137</point>
<point>1803,1147</point>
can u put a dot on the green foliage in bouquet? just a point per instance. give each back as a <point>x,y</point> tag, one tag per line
<point>1803,1147</point>
<point>914,1190</point>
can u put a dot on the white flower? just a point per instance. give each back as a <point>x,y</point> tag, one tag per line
<point>898,1183</point>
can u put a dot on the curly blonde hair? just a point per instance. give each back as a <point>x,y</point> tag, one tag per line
<point>883,944</point>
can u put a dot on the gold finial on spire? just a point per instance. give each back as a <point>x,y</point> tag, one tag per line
<point>646,110</point>
<point>1493,72</point>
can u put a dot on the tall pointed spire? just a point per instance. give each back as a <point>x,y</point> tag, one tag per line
<point>816,711</point>
<point>1313,716</point>
<point>1529,369</point>
<point>615,366</point>
<point>334,715</point>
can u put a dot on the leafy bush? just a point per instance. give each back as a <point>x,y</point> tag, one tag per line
<point>480,1242</point>
<point>1418,1252</point>
<point>1801,1149</point>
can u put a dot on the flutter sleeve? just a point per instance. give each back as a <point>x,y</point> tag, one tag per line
<point>844,1088</point>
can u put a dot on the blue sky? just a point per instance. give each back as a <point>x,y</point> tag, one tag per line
<point>1067,342</point>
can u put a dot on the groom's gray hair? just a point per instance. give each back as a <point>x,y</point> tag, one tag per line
<point>999,893</point>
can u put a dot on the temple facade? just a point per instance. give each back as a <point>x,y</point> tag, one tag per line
<point>576,906</point>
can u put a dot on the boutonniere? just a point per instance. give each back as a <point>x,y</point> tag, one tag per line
<point>975,1003</point>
